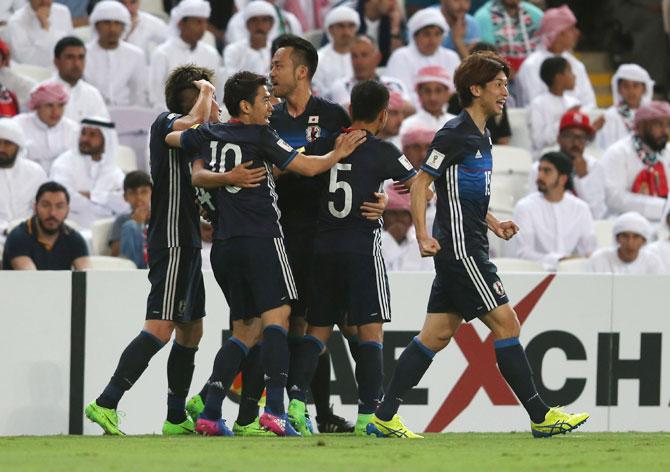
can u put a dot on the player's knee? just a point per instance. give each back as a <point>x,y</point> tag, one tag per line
<point>161,329</point>
<point>371,333</point>
<point>189,334</point>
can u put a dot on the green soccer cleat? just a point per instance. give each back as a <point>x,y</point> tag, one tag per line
<point>185,427</point>
<point>252,429</point>
<point>106,418</point>
<point>557,422</point>
<point>362,424</point>
<point>394,428</point>
<point>297,415</point>
<point>194,407</point>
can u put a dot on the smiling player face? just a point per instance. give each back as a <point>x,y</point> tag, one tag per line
<point>261,109</point>
<point>494,95</point>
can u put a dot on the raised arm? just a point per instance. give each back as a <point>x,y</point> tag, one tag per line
<point>201,109</point>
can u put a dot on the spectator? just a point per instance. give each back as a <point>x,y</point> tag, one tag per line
<point>188,23</point>
<point>7,7</point>
<point>512,26</point>
<point>129,231</point>
<point>463,29</point>
<point>631,232</point>
<point>382,21</point>
<point>117,69</point>
<point>19,177</point>
<point>34,29</point>
<point>91,174</point>
<point>637,167</point>
<point>14,88</point>
<point>556,224</point>
<point>78,11</point>
<point>395,116</point>
<point>253,52</point>
<point>433,86</point>
<point>48,133</point>
<point>631,88</point>
<point>545,110</point>
<point>426,29</point>
<point>286,23</point>
<point>335,57</point>
<point>70,61</point>
<point>559,37</point>
<point>308,12</point>
<point>45,242</point>
<point>146,30</point>
<point>661,248</point>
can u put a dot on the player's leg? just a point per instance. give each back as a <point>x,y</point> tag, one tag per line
<point>253,383</point>
<point>369,373</point>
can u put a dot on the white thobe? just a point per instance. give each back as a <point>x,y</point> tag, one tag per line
<point>405,62</point>
<point>607,260</point>
<point>529,84</point>
<point>29,43</point>
<point>241,56</point>
<point>7,7</point>
<point>18,186</point>
<point>45,143</point>
<point>405,255</point>
<point>119,74</point>
<point>236,29</point>
<point>426,120</point>
<point>85,100</point>
<point>622,167</point>
<point>173,53</point>
<point>613,130</point>
<point>332,67</point>
<point>550,231</point>
<point>103,180</point>
<point>662,250</point>
<point>19,84</point>
<point>544,117</point>
<point>340,91</point>
<point>149,31</point>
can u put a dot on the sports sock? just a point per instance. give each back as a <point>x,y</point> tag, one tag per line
<point>180,373</point>
<point>275,356</point>
<point>353,347</point>
<point>226,366</point>
<point>133,362</point>
<point>203,392</point>
<point>514,367</point>
<point>369,376</point>
<point>305,364</point>
<point>320,385</point>
<point>412,364</point>
<point>252,386</point>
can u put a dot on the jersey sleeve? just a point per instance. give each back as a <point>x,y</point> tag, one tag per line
<point>18,244</point>
<point>195,142</point>
<point>78,247</point>
<point>396,165</point>
<point>275,149</point>
<point>445,151</point>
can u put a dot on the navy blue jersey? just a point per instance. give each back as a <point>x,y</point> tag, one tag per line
<point>298,195</point>
<point>175,220</point>
<point>350,183</point>
<point>242,211</point>
<point>460,159</point>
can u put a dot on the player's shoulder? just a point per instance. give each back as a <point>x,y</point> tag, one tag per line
<point>164,118</point>
<point>454,130</point>
<point>324,105</point>
<point>381,147</point>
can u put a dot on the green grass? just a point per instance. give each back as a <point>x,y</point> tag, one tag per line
<point>630,452</point>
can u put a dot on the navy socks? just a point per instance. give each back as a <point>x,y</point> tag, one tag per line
<point>226,366</point>
<point>252,386</point>
<point>369,376</point>
<point>275,356</point>
<point>180,367</point>
<point>305,364</point>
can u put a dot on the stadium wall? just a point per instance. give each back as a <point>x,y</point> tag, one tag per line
<point>596,343</point>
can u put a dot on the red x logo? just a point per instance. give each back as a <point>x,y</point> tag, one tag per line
<point>482,370</point>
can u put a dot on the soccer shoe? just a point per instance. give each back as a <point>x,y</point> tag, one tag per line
<point>331,423</point>
<point>212,427</point>
<point>185,427</point>
<point>194,407</point>
<point>252,429</point>
<point>297,415</point>
<point>279,425</point>
<point>362,424</point>
<point>556,422</point>
<point>394,428</point>
<point>106,418</point>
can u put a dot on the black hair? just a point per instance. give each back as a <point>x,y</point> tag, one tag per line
<point>66,42</point>
<point>368,99</point>
<point>303,54</point>
<point>180,93</point>
<point>563,164</point>
<point>136,179</point>
<point>241,86</point>
<point>551,67</point>
<point>51,186</point>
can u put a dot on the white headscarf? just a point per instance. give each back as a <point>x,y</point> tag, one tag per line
<point>342,14</point>
<point>109,10</point>
<point>426,17</point>
<point>109,134</point>
<point>185,9</point>
<point>637,74</point>
<point>11,131</point>
<point>259,8</point>
<point>632,222</point>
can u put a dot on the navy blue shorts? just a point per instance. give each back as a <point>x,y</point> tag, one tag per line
<point>177,289</point>
<point>300,251</point>
<point>469,287</point>
<point>351,287</point>
<point>254,275</point>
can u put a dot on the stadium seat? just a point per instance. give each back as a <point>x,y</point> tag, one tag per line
<point>511,168</point>
<point>603,229</point>
<point>511,159</point>
<point>83,33</point>
<point>576,265</point>
<point>133,125</point>
<point>155,7</point>
<point>519,126</point>
<point>126,159</point>
<point>502,194</point>
<point>100,230</point>
<point>508,264</point>
<point>37,73</point>
<point>315,37</point>
<point>110,263</point>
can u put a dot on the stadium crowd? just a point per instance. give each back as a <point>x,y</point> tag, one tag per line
<point>585,184</point>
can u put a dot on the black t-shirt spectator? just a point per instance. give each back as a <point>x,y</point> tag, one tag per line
<point>22,241</point>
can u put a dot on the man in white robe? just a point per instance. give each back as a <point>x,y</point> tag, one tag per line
<point>8,7</point>
<point>661,248</point>
<point>433,86</point>
<point>286,23</point>
<point>146,30</point>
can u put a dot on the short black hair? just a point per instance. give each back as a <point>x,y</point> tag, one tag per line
<point>551,67</point>
<point>136,179</point>
<point>368,99</point>
<point>54,187</point>
<point>66,42</point>
<point>303,54</point>
<point>241,86</point>
<point>180,93</point>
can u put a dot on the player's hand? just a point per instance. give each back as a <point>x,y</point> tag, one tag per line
<point>204,85</point>
<point>243,176</point>
<point>428,247</point>
<point>374,211</point>
<point>400,188</point>
<point>346,143</point>
<point>505,230</point>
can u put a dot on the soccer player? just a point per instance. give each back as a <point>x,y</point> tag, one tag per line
<point>176,302</point>
<point>352,280</point>
<point>248,256</point>
<point>466,286</point>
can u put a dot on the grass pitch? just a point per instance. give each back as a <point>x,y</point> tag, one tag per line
<point>459,452</point>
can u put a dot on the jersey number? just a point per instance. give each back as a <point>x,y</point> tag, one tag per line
<point>218,161</point>
<point>334,186</point>
<point>487,175</point>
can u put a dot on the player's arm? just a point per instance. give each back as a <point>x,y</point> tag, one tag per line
<point>22,263</point>
<point>310,166</point>
<point>419,192</point>
<point>503,229</point>
<point>200,111</point>
<point>239,176</point>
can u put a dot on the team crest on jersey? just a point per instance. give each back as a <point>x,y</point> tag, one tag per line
<point>313,132</point>
<point>498,288</point>
<point>284,145</point>
<point>435,159</point>
<point>405,162</point>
